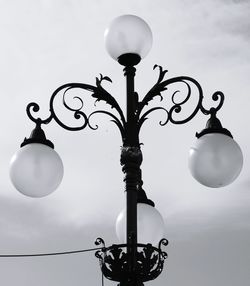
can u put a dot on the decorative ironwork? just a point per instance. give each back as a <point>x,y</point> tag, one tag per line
<point>213,126</point>
<point>37,136</point>
<point>162,85</point>
<point>114,262</point>
<point>100,94</point>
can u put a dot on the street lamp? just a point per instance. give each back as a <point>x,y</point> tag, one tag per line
<point>215,159</point>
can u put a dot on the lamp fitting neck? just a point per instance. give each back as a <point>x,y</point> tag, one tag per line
<point>129,59</point>
<point>214,126</point>
<point>37,136</point>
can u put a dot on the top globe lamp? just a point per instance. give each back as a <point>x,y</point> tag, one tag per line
<point>128,34</point>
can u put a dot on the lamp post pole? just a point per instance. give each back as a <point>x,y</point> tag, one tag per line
<point>131,159</point>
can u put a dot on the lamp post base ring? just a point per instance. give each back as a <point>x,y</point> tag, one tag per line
<point>149,264</point>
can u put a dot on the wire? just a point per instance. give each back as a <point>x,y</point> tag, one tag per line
<point>102,279</point>
<point>53,253</point>
<point>49,254</point>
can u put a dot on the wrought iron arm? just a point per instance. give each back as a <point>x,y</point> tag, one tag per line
<point>162,85</point>
<point>98,92</point>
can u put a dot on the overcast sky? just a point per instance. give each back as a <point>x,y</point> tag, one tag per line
<point>45,44</point>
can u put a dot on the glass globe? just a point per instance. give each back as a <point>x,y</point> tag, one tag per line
<point>215,160</point>
<point>150,225</point>
<point>128,34</point>
<point>36,170</point>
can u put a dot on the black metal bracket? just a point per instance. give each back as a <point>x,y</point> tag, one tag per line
<point>100,94</point>
<point>114,262</point>
<point>37,136</point>
<point>214,126</point>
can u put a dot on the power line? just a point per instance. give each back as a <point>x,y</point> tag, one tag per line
<point>49,254</point>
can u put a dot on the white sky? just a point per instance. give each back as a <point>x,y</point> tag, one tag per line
<point>48,43</point>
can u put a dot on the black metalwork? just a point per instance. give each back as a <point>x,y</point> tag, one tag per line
<point>129,59</point>
<point>132,263</point>
<point>115,266</point>
<point>129,127</point>
<point>214,126</point>
<point>37,136</point>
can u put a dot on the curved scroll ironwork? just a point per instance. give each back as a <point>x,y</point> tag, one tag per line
<point>162,85</point>
<point>114,261</point>
<point>115,120</point>
<point>97,92</point>
<point>99,241</point>
<point>100,94</point>
<point>144,116</point>
<point>217,96</point>
<point>35,108</point>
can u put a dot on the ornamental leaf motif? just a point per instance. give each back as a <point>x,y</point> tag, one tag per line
<point>156,90</point>
<point>101,94</point>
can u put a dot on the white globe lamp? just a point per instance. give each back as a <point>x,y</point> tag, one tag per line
<point>36,169</point>
<point>128,34</point>
<point>150,225</point>
<point>215,159</point>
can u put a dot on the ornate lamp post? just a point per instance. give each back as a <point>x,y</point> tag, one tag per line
<point>215,160</point>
